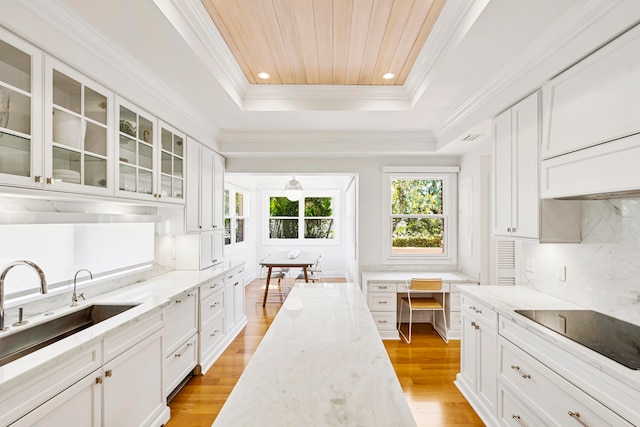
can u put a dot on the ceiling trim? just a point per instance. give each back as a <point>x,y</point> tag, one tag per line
<point>67,22</point>
<point>325,144</point>
<point>456,17</point>
<point>563,31</point>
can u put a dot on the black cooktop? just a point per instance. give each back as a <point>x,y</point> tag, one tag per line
<point>611,337</point>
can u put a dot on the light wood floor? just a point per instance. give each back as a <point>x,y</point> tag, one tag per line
<point>426,369</point>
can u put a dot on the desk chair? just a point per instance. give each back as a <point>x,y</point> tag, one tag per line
<point>314,273</point>
<point>415,288</point>
<point>280,288</point>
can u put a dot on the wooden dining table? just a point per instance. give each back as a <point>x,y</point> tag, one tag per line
<point>303,260</point>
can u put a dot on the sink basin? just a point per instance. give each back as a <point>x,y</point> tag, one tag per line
<point>30,339</point>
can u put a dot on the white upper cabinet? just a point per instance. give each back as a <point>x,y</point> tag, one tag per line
<point>596,100</point>
<point>21,161</point>
<point>78,129</point>
<point>172,164</point>
<point>205,189</point>
<point>516,140</point>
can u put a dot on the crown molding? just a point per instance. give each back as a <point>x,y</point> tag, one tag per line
<point>564,31</point>
<point>325,144</point>
<point>64,20</point>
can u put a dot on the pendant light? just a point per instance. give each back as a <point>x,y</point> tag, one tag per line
<point>293,190</point>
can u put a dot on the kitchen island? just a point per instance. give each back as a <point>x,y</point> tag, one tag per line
<point>320,363</point>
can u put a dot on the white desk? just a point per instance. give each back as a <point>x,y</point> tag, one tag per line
<point>321,363</point>
<point>382,287</point>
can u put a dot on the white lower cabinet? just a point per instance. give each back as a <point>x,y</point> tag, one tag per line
<point>181,342</point>
<point>125,391</point>
<point>477,378</point>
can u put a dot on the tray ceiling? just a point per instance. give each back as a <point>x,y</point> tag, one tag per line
<point>325,42</point>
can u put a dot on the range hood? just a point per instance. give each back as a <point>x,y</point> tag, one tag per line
<point>627,194</point>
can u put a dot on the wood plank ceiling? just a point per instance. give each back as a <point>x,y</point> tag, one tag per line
<point>325,42</point>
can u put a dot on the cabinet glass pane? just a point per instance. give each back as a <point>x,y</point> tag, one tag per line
<point>127,178</point>
<point>66,165</point>
<point>167,140</point>
<point>95,171</point>
<point>127,150</point>
<point>95,105</point>
<point>128,121</point>
<point>145,130</point>
<point>67,129</point>
<point>178,185</point>
<point>167,165</point>
<point>15,111</point>
<point>145,181</point>
<point>66,92</point>
<point>145,155</point>
<point>15,67</point>
<point>178,146</point>
<point>15,155</point>
<point>178,167</point>
<point>165,186</point>
<point>95,139</point>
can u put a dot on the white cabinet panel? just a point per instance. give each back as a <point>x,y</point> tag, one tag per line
<point>180,320</point>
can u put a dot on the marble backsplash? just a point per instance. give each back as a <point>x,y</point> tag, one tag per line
<point>603,271</point>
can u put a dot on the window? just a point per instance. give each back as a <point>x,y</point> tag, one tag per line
<point>421,222</point>
<point>312,218</point>
<point>235,220</point>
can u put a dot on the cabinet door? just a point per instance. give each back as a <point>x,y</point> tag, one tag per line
<point>180,320</point>
<point>487,382</point>
<point>78,405</point>
<point>218,192</point>
<point>172,150</point>
<point>133,393</point>
<point>192,207</point>
<point>137,152</point>
<point>20,141</point>
<point>525,142</point>
<point>206,250</point>
<point>502,174</point>
<point>78,129</point>
<point>468,352</point>
<point>238,299</point>
<point>206,188</point>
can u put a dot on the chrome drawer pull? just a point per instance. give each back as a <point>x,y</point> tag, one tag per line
<point>475,325</point>
<point>215,333</point>
<point>519,420</point>
<point>382,321</point>
<point>382,287</point>
<point>382,302</point>
<point>215,304</point>
<point>184,351</point>
<point>517,368</point>
<point>576,416</point>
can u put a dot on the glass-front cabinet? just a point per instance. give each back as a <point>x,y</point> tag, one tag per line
<point>78,129</point>
<point>150,156</point>
<point>20,112</point>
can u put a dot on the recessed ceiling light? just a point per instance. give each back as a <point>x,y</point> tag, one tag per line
<point>388,76</point>
<point>263,75</point>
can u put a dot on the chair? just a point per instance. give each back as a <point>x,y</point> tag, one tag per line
<point>415,288</point>
<point>280,288</point>
<point>314,273</point>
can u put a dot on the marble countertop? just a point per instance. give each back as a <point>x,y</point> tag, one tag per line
<point>447,276</point>
<point>505,299</point>
<point>152,296</point>
<point>320,362</point>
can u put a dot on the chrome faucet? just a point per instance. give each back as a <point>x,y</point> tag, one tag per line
<point>43,283</point>
<point>75,297</point>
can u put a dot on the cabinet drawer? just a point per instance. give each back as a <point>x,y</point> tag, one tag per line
<point>211,333</point>
<point>211,306</point>
<point>211,287</point>
<point>180,363</point>
<point>478,311</point>
<point>384,320</point>
<point>513,413</point>
<point>180,321</point>
<point>381,302</point>
<point>127,336</point>
<point>382,287</point>
<point>563,402</point>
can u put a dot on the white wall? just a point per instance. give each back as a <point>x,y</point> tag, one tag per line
<point>603,271</point>
<point>474,249</point>
<point>371,223</point>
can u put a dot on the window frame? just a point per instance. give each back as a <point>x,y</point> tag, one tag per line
<point>301,240</point>
<point>449,177</point>
<point>231,215</point>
